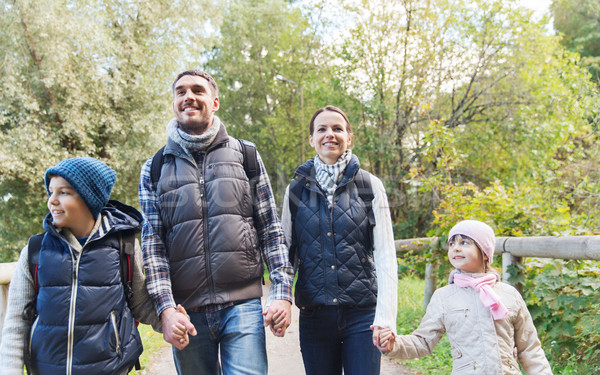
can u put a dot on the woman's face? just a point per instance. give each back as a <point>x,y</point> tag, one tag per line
<point>330,137</point>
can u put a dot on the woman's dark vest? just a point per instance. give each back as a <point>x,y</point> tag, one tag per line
<point>335,251</point>
<point>210,236</point>
<point>84,323</point>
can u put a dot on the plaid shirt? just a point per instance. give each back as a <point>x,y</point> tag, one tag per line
<point>271,240</point>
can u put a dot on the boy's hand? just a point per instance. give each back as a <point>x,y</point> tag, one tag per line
<point>176,326</point>
<point>383,339</point>
<point>278,316</point>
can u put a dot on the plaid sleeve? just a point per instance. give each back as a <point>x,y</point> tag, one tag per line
<point>156,263</point>
<point>271,238</point>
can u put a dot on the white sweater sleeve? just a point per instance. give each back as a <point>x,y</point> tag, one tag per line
<point>386,263</point>
<point>15,329</point>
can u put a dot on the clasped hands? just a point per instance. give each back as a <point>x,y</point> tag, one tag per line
<point>383,339</point>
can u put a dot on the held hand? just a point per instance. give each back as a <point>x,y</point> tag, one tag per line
<point>278,316</point>
<point>176,326</point>
<point>383,339</point>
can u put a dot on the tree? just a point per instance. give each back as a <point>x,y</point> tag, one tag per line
<point>458,92</point>
<point>83,79</point>
<point>579,23</point>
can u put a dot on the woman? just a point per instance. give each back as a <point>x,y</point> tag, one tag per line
<point>343,251</point>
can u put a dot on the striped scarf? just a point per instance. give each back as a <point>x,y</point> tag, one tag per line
<point>330,175</point>
<point>192,143</point>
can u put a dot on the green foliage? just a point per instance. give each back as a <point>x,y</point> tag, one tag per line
<point>579,23</point>
<point>564,301</point>
<point>83,79</point>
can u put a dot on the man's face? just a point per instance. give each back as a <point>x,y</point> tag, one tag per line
<point>194,104</point>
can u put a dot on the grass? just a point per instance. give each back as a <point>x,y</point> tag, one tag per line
<point>153,343</point>
<point>410,312</point>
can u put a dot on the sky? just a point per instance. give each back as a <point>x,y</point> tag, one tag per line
<point>540,6</point>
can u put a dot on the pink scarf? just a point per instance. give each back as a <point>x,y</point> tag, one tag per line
<point>487,295</point>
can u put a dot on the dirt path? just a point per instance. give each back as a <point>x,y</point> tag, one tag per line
<point>283,355</point>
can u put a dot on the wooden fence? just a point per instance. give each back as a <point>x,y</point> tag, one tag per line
<point>512,249</point>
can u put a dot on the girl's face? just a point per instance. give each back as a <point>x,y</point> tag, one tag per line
<point>330,137</point>
<point>464,255</point>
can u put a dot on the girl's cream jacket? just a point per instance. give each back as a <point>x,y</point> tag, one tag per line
<point>480,345</point>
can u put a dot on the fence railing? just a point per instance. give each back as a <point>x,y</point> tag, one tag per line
<point>512,249</point>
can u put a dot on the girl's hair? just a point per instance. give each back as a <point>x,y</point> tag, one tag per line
<point>332,109</point>
<point>485,263</point>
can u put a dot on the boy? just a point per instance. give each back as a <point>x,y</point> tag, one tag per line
<point>83,322</point>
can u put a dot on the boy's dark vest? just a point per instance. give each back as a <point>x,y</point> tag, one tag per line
<point>335,246</point>
<point>210,236</point>
<point>83,322</point>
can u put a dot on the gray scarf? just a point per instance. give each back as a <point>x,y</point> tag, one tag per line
<point>330,175</point>
<point>193,143</point>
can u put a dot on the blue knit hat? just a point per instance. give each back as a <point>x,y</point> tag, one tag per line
<point>92,180</point>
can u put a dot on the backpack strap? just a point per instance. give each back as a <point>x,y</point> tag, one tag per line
<point>126,251</point>
<point>365,192</point>
<point>29,313</point>
<point>250,159</point>
<point>294,196</point>
<point>156,166</point>
<point>33,255</point>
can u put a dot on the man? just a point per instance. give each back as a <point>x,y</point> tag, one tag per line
<point>206,233</point>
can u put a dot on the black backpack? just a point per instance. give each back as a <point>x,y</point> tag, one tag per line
<point>126,249</point>
<point>362,180</point>
<point>250,162</point>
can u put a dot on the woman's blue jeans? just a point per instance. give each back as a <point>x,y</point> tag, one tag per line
<point>336,337</point>
<point>238,331</point>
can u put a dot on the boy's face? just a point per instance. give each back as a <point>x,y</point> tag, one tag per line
<point>464,254</point>
<point>68,209</point>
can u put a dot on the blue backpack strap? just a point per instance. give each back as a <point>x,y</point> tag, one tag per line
<point>156,166</point>
<point>294,197</point>
<point>365,192</point>
<point>29,313</point>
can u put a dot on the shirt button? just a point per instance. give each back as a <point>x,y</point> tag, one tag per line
<point>335,300</point>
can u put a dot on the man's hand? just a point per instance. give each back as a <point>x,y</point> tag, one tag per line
<point>383,339</point>
<point>278,316</point>
<point>176,325</point>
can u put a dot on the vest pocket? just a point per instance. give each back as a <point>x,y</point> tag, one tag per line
<point>113,323</point>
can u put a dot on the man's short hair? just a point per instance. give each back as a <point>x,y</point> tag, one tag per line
<point>199,73</point>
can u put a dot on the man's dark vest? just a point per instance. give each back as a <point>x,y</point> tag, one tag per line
<point>335,250</point>
<point>83,319</point>
<point>210,235</point>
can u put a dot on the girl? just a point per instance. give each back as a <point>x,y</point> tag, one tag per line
<point>487,322</point>
<point>347,268</point>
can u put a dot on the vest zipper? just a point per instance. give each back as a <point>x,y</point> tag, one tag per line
<point>72,309</point>
<point>33,330</point>
<point>205,232</point>
<point>113,321</point>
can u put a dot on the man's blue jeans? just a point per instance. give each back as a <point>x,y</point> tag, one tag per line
<point>238,331</point>
<point>332,337</point>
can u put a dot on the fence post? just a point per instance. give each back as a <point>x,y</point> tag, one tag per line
<point>430,278</point>
<point>429,284</point>
<point>507,260</point>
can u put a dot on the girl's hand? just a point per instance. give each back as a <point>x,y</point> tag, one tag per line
<point>383,339</point>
